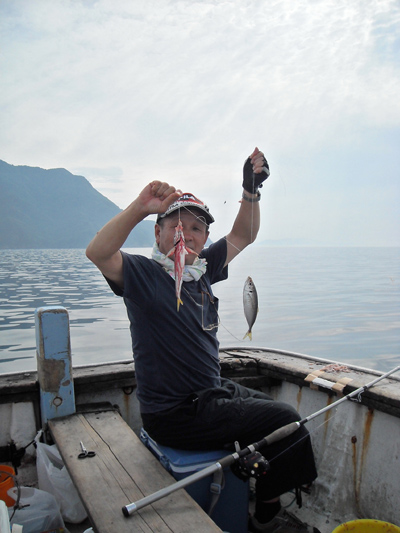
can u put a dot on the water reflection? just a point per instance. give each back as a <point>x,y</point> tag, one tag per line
<point>36,278</point>
<point>340,304</point>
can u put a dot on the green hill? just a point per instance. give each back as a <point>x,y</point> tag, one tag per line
<point>55,209</point>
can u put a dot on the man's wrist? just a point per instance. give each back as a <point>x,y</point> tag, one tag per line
<point>136,212</point>
<point>249,197</point>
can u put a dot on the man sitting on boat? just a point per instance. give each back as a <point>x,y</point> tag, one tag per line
<point>183,400</point>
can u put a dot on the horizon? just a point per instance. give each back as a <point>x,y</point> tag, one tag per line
<point>271,243</point>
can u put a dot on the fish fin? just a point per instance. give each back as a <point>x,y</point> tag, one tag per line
<point>178,302</point>
<point>191,251</point>
<point>171,252</point>
<point>248,334</point>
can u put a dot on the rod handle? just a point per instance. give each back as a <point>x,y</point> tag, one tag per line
<point>282,432</point>
<point>131,508</point>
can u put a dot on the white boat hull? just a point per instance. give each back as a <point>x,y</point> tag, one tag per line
<point>357,445</point>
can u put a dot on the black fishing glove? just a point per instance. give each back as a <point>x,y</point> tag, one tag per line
<point>251,181</point>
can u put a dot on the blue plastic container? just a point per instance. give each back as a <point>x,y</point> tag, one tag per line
<point>231,511</point>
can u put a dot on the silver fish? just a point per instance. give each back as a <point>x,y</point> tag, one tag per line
<point>250,304</point>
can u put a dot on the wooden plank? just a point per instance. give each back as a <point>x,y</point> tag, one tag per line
<point>122,471</point>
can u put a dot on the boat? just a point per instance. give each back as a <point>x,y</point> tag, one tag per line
<point>356,442</point>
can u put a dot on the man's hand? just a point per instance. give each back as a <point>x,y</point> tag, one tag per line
<point>157,197</point>
<point>255,171</point>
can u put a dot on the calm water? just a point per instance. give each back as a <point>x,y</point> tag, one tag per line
<point>335,303</point>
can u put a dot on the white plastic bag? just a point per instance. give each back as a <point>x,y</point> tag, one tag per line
<point>54,478</point>
<point>38,511</point>
<point>4,521</point>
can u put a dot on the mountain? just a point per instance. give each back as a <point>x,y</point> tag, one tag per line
<point>55,209</point>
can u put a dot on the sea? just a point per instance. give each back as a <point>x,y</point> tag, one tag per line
<point>340,304</point>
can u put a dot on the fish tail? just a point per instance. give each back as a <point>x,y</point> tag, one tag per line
<point>248,334</point>
<point>178,303</point>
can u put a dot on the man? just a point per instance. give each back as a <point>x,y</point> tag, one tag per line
<point>183,400</point>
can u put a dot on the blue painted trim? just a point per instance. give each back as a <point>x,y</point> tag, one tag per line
<point>53,352</point>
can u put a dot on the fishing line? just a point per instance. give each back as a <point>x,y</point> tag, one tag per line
<point>202,220</point>
<point>238,455</point>
<point>298,441</point>
<point>356,393</point>
<point>230,333</point>
<point>220,465</point>
<point>179,214</point>
<point>210,326</point>
<point>252,212</point>
<point>310,432</point>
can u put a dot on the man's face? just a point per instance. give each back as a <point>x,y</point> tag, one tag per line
<point>194,230</point>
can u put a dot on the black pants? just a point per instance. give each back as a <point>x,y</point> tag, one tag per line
<point>216,418</point>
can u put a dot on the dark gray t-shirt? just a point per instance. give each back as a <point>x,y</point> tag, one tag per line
<point>175,353</point>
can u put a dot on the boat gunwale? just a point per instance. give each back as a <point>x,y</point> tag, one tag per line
<point>300,355</point>
<point>384,396</point>
<point>247,364</point>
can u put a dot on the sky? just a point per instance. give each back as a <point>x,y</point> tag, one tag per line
<point>126,92</point>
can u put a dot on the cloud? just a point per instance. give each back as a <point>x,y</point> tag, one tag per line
<point>183,90</point>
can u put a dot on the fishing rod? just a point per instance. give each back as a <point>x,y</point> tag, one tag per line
<point>239,455</point>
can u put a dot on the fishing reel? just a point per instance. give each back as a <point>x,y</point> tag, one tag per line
<point>251,465</point>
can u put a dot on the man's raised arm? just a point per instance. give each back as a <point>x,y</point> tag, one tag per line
<point>247,223</point>
<point>104,249</point>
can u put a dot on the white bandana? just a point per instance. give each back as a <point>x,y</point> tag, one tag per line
<point>190,272</point>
